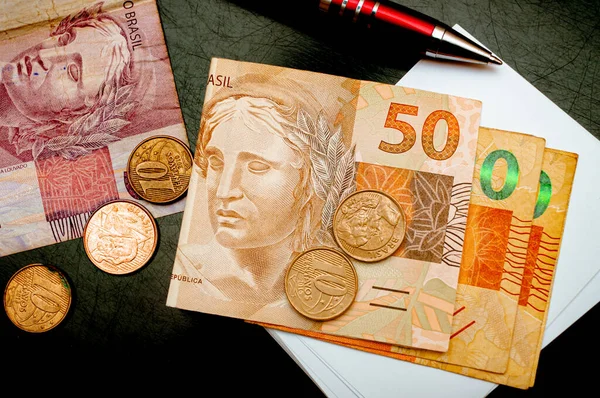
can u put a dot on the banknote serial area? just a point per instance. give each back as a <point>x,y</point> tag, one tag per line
<point>377,217</point>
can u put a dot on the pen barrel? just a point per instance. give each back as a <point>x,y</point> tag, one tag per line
<point>380,12</point>
<point>435,39</point>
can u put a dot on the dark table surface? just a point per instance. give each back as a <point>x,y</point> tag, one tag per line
<point>121,337</point>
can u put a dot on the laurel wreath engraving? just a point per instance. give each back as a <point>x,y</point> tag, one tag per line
<point>90,131</point>
<point>333,167</point>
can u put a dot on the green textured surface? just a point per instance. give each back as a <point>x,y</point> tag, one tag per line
<point>121,324</point>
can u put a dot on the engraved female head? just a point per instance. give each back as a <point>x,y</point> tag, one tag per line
<point>258,173</point>
<point>60,85</point>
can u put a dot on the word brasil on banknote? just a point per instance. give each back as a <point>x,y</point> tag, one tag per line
<point>277,153</point>
<point>78,92</point>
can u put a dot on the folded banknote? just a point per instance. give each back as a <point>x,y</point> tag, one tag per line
<point>80,87</point>
<point>277,153</point>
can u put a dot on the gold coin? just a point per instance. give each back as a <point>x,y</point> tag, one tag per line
<point>321,283</point>
<point>37,298</point>
<point>159,169</point>
<point>369,225</point>
<point>120,237</point>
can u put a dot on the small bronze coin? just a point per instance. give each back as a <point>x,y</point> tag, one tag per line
<point>369,225</point>
<point>321,283</point>
<point>37,298</point>
<point>120,237</point>
<point>159,169</point>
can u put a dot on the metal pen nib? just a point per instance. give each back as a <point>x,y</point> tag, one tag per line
<point>447,43</point>
<point>495,59</point>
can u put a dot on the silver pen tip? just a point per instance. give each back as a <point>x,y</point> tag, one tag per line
<point>495,60</point>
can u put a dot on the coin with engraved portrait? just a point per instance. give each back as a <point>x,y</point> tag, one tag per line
<point>159,169</point>
<point>369,225</point>
<point>120,237</point>
<point>37,298</point>
<point>321,283</point>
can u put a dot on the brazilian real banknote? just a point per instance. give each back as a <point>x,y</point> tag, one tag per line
<point>278,150</point>
<point>81,84</point>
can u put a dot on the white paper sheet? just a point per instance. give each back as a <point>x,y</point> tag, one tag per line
<point>509,103</point>
<point>318,370</point>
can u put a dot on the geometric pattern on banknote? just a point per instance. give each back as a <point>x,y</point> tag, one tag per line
<point>430,311</point>
<point>430,308</point>
<point>486,242</point>
<point>537,277</point>
<point>426,201</point>
<point>72,189</point>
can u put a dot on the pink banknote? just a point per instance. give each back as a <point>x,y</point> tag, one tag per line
<point>80,88</point>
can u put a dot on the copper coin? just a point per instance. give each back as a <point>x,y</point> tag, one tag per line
<point>159,169</point>
<point>37,298</point>
<point>120,237</point>
<point>321,283</point>
<point>369,225</point>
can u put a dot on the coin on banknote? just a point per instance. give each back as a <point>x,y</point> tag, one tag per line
<point>159,169</point>
<point>321,283</point>
<point>120,237</point>
<point>37,298</point>
<point>369,225</point>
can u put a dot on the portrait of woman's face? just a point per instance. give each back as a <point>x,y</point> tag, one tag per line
<point>60,73</point>
<point>251,177</point>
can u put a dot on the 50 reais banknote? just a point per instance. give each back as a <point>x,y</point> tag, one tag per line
<point>80,87</point>
<point>278,151</point>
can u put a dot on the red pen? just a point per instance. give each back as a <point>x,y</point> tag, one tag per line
<point>444,42</point>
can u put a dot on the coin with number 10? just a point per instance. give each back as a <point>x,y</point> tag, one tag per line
<point>159,169</point>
